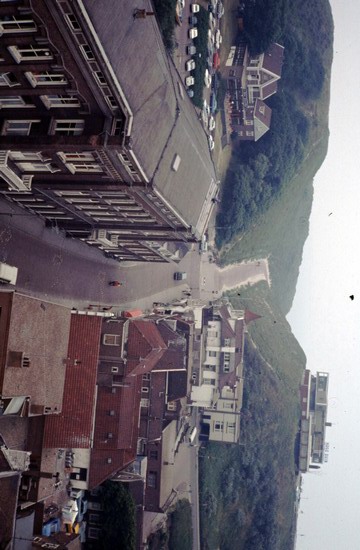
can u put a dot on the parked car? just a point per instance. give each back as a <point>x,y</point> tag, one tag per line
<point>191,50</point>
<point>180,275</point>
<point>206,107</point>
<point>195,8</point>
<point>190,65</point>
<point>203,245</point>
<point>211,123</point>
<point>213,103</point>
<point>193,33</point>
<point>190,92</point>
<point>211,143</point>
<point>193,20</point>
<point>207,78</point>
<point>189,81</point>
<point>181,4</point>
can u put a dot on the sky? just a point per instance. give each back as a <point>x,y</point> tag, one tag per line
<point>323,318</point>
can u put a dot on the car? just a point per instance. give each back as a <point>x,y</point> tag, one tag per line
<point>206,108</point>
<point>213,103</point>
<point>190,65</point>
<point>181,4</point>
<point>195,8</point>
<point>190,92</point>
<point>191,50</point>
<point>189,81</point>
<point>207,78</point>
<point>193,20</point>
<point>180,276</point>
<point>193,33</point>
<point>220,10</point>
<point>211,123</point>
<point>211,143</point>
<point>203,245</point>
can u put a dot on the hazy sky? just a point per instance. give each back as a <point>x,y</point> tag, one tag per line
<point>323,318</point>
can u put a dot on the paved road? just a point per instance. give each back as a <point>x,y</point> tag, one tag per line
<point>67,271</point>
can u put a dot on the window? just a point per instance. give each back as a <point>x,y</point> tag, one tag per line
<point>13,101</point>
<point>73,22</point>
<point>152,480</point>
<point>228,405</point>
<point>230,427</point>
<point>8,79</point>
<point>83,167</point>
<point>111,340</point>
<point>111,101</point>
<point>56,101</point>
<point>100,78</point>
<point>218,426</point>
<point>20,155</point>
<point>212,334</point>
<point>212,353</point>
<point>46,78</point>
<point>37,167</point>
<point>144,389</point>
<point>226,341</point>
<point>110,435</point>
<point>146,376</point>
<point>226,367</point>
<point>118,126</point>
<point>13,24</point>
<point>94,518</point>
<point>94,532</point>
<point>87,52</point>
<point>67,127</point>
<point>18,127</point>
<point>250,134</point>
<point>226,356</point>
<point>114,369</point>
<point>144,402</point>
<point>75,157</point>
<point>112,413</point>
<point>30,53</point>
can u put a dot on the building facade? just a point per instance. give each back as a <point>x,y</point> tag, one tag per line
<point>92,136</point>
<point>218,388</point>
<point>250,81</point>
<point>313,424</point>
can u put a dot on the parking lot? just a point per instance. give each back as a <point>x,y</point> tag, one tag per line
<point>185,57</point>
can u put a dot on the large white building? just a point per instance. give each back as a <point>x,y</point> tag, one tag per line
<point>218,387</point>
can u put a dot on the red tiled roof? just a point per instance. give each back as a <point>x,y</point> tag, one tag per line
<point>100,467</point>
<point>273,59</point>
<point>250,316</point>
<point>73,427</point>
<point>145,342</point>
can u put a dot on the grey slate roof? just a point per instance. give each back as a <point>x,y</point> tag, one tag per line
<point>165,122</point>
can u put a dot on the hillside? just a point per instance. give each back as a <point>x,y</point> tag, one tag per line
<point>249,489</point>
<point>276,224</point>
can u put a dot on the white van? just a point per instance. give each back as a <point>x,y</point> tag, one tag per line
<point>195,8</point>
<point>8,274</point>
<point>192,435</point>
<point>193,33</point>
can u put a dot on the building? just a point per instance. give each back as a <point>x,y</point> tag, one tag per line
<point>250,81</point>
<point>218,386</point>
<point>34,335</point>
<point>313,395</point>
<point>96,140</point>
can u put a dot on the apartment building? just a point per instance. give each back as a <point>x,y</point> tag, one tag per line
<point>97,134</point>
<point>218,390</point>
<point>313,424</point>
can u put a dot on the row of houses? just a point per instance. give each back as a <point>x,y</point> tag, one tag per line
<point>97,134</point>
<point>106,398</point>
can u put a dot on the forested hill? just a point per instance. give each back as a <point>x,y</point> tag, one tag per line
<point>261,173</point>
